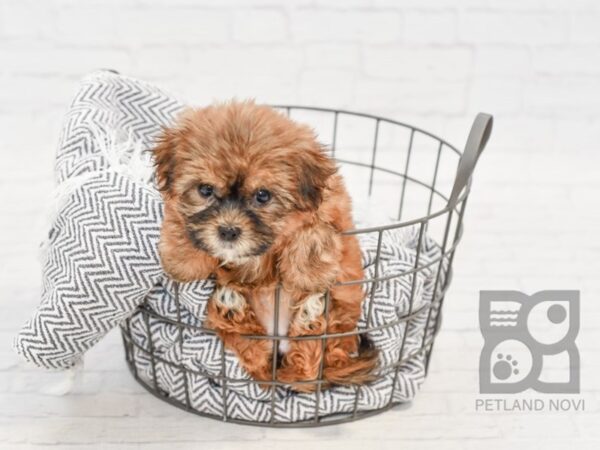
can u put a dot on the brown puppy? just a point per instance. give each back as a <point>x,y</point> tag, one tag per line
<point>251,198</point>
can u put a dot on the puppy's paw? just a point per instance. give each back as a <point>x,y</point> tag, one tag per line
<point>229,302</point>
<point>310,313</point>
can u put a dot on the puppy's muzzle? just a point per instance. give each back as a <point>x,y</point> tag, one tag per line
<point>229,233</point>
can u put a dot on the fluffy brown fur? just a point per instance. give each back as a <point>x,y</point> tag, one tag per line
<point>215,168</point>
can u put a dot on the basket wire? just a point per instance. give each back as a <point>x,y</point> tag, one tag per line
<point>452,213</point>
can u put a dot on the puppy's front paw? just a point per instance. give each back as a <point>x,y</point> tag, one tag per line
<point>310,313</point>
<point>229,302</point>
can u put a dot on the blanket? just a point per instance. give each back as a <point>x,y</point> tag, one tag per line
<point>101,269</point>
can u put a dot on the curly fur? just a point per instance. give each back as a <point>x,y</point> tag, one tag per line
<point>294,239</point>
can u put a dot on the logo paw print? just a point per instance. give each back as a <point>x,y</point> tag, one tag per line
<point>505,367</point>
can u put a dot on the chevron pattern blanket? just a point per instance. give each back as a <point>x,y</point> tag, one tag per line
<point>101,263</point>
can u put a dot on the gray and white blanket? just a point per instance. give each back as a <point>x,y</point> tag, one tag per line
<point>101,263</point>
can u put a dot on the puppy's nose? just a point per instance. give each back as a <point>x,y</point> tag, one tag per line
<point>228,233</point>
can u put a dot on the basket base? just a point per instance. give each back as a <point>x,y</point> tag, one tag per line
<point>320,421</point>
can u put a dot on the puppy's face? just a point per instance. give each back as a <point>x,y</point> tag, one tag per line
<point>236,173</point>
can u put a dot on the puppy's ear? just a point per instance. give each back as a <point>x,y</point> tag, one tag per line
<point>164,159</point>
<point>314,170</point>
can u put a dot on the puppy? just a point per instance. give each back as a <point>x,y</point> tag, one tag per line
<point>251,199</point>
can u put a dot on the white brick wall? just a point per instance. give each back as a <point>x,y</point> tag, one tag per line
<point>435,62</point>
<point>532,221</point>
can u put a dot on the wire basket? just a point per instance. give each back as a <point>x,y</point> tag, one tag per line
<point>408,177</point>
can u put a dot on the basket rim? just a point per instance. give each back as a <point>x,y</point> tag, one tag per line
<point>394,224</point>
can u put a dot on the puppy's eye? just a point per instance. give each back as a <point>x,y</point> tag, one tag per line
<point>205,190</point>
<point>262,196</point>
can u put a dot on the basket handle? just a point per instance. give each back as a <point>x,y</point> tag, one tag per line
<point>478,138</point>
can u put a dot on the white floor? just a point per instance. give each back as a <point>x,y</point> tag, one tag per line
<point>532,224</point>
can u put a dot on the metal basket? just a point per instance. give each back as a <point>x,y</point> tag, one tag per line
<point>444,188</point>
